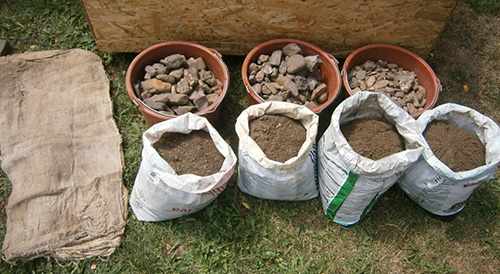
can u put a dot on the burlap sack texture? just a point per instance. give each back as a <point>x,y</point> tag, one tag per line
<point>60,148</point>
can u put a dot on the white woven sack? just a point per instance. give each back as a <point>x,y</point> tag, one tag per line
<point>264,178</point>
<point>159,193</point>
<point>431,183</point>
<point>350,183</point>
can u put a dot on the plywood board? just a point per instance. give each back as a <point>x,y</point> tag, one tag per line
<point>235,26</point>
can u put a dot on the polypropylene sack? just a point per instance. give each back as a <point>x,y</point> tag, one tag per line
<point>159,193</point>
<point>349,183</point>
<point>433,185</point>
<point>262,177</point>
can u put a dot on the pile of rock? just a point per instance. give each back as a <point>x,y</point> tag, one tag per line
<point>288,75</point>
<point>399,84</point>
<point>177,85</point>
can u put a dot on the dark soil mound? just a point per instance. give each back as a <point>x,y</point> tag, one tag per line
<point>455,147</point>
<point>374,139</point>
<point>193,153</point>
<point>278,136</point>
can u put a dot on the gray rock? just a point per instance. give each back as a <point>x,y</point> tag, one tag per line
<point>282,79</point>
<point>253,67</point>
<point>193,72</point>
<point>208,77</point>
<point>212,98</point>
<point>291,87</point>
<point>150,70</point>
<point>257,88</point>
<point>146,94</point>
<point>178,73</point>
<point>174,61</point>
<point>179,110</point>
<point>274,74</point>
<point>183,86</point>
<point>301,82</point>
<point>359,74</point>
<point>203,86</point>
<point>197,63</point>
<point>267,69</point>
<point>369,65</point>
<point>160,69</point>
<point>192,81</point>
<point>167,111</point>
<point>177,99</point>
<point>282,67</point>
<point>275,58</point>
<point>322,98</point>
<point>412,110</point>
<point>137,88</point>
<point>196,94</point>
<point>370,81</point>
<point>262,59</point>
<point>154,104</point>
<point>354,90</point>
<point>275,98</point>
<point>163,97</point>
<point>320,89</point>
<point>291,49</point>
<point>312,62</point>
<point>251,78</point>
<point>270,88</point>
<point>380,84</point>
<point>311,83</point>
<point>166,78</point>
<point>420,93</point>
<point>302,99</point>
<point>259,77</point>
<point>266,90</point>
<point>295,63</point>
<point>217,88</point>
<point>156,85</point>
<point>201,103</point>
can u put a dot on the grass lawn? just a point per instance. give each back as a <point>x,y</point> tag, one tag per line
<point>241,234</point>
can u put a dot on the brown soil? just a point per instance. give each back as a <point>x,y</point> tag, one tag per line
<point>466,59</point>
<point>278,136</point>
<point>193,153</point>
<point>455,147</point>
<point>374,139</point>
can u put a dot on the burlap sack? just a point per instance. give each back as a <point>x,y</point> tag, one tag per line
<point>60,148</point>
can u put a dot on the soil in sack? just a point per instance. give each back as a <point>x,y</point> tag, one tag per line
<point>193,153</point>
<point>373,139</point>
<point>455,147</point>
<point>279,137</point>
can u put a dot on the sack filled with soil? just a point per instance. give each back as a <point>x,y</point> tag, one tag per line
<point>461,151</point>
<point>185,165</point>
<point>276,150</point>
<point>362,154</point>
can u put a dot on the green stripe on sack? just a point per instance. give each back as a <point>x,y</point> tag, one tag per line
<point>344,191</point>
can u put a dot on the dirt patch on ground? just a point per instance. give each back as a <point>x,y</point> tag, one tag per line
<point>193,153</point>
<point>466,59</point>
<point>374,139</point>
<point>278,136</point>
<point>455,147</point>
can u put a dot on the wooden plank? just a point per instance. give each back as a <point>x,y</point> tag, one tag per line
<point>235,26</point>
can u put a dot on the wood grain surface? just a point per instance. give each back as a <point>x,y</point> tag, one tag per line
<point>235,26</point>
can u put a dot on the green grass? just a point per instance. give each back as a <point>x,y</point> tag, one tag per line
<point>268,237</point>
<point>485,6</point>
